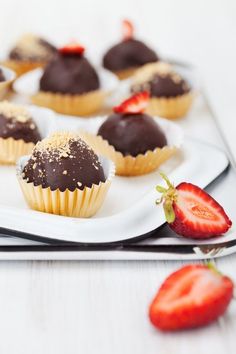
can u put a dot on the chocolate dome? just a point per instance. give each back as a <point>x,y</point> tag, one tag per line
<point>2,78</point>
<point>63,161</point>
<point>71,74</point>
<point>132,134</point>
<point>16,123</point>
<point>164,85</point>
<point>32,48</point>
<point>128,54</point>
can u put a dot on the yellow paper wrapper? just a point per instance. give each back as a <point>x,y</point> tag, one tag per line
<point>9,76</point>
<point>171,108</point>
<point>79,203</point>
<point>129,165</point>
<point>22,67</point>
<point>125,74</point>
<point>78,105</point>
<point>11,150</point>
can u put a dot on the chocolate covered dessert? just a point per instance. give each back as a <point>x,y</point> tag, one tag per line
<point>70,84</point>
<point>132,139</point>
<point>16,123</point>
<point>2,78</point>
<point>171,95</point>
<point>128,55</point>
<point>132,134</point>
<point>32,48</point>
<point>169,84</point>
<point>63,161</point>
<point>69,73</point>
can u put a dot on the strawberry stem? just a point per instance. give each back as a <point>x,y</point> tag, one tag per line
<point>169,196</point>
<point>212,267</point>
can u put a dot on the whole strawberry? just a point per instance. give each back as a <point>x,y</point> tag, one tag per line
<point>191,212</point>
<point>193,296</point>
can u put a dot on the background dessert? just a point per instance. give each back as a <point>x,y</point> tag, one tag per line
<point>70,84</point>
<point>30,52</point>
<point>170,94</point>
<point>18,132</point>
<point>129,54</point>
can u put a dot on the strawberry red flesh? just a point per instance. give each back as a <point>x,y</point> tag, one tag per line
<point>197,214</point>
<point>72,49</point>
<point>191,297</point>
<point>191,212</point>
<point>135,104</point>
<point>127,30</point>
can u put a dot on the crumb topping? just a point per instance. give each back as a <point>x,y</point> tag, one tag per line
<point>149,70</point>
<point>60,143</point>
<point>17,112</point>
<point>30,45</point>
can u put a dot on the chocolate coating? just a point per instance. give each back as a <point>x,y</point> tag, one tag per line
<point>165,85</point>
<point>79,168</point>
<point>12,128</point>
<point>128,54</point>
<point>132,134</point>
<point>2,78</point>
<point>71,74</point>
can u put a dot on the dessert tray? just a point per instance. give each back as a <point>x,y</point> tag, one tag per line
<point>129,226</point>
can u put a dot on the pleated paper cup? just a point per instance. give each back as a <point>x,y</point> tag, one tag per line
<point>172,107</point>
<point>21,67</point>
<point>125,74</point>
<point>78,105</point>
<point>11,150</point>
<point>9,76</point>
<point>129,165</point>
<point>79,203</point>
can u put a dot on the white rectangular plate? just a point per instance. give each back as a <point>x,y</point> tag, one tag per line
<point>129,210</point>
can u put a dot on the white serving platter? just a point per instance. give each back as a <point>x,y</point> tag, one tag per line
<point>129,209</point>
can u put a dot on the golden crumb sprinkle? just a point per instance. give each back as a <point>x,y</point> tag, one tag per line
<point>30,45</point>
<point>17,112</point>
<point>147,72</point>
<point>60,143</point>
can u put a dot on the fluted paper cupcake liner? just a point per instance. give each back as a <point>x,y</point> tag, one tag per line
<point>79,203</point>
<point>129,165</point>
<point>78,105</point>
<point>171,108</point>
<point>9,76</point>
<point>125,74</point>
<point>21,67</point>
<point>11,150</point>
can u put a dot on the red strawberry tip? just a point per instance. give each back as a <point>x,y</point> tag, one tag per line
<point>127,30</point>
<point>133,105</point>
<point>73,48</point>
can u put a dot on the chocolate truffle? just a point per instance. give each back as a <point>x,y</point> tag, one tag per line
<point>16,123</point>
<point>32,48</point>
<point>163,85</point>
<point>132,134</point>
<point>63,161</point>
<point>130,53</point>
<point>2,78</point>
<point>70,73</point>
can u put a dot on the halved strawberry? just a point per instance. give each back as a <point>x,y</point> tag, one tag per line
<point>127,30</point>
<point>72,48</point>
<point>135,104</point>
<point>193,296</point>
<point>191,212</point>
